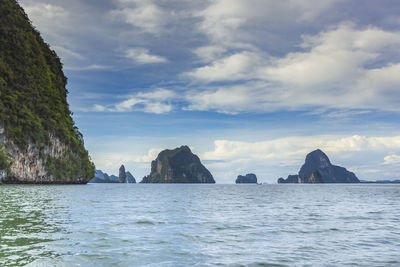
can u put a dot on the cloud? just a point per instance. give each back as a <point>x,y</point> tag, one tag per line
<point>66,53</point>
<point>293,149</point>
<point>209,53</point>
<point>43,11</point>
<point>110,161</point>
<point>232,23</point>
<point>144,15</point>
<point>341,68</point>
<point>156,102</point>
<point>142,56</point>
<point>149,157</point>
<point>392,159</point>
<point>89,67</point>
<point>50,19</point>
<point>231,68</point>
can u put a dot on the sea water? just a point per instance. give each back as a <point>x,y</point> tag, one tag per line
<point>201,225</point>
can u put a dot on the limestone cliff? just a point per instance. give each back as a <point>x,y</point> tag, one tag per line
<point>178,166</point>
<point>39,142</point>
<point>317,168</point>
<point>125,177</point>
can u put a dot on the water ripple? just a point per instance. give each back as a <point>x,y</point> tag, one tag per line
<point>200,225</point>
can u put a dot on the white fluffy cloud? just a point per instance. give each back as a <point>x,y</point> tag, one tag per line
<point>142,56</point>
<point>231,68</point>
<point>149,157</point>
<point>145,15</point>
<point>345,67</point>
<point>156,102</point>
<point>291,149</point>
<point>392,159</point>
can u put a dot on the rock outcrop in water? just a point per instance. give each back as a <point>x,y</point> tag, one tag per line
<point>124,177</point>
<point>249,178</point>
<point>39,142</point>
<point>179,165</point>
<point>318,169</point>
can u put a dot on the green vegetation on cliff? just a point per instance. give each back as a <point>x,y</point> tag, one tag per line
<point>178,166</point>
<point>33,95</point>
<point>5,161</point>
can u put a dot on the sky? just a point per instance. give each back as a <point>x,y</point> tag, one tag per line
<point>251,86</point>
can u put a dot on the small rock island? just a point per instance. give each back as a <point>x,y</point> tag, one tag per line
<point>249,178</point>
<point>124,177</point>
<point>318,169</point>
<point>179,165</point>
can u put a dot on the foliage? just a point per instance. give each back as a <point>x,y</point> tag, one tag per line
<point>33,94</point>
<point>5,160</point>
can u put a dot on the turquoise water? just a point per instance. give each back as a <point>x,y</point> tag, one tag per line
<point>202,225</point>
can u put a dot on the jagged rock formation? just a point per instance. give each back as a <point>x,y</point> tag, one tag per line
<point>39,142</point>
<point>318,169</point>
<point>178,166</point>
<point>122,175</point>
<point>126,177</point>
<point>130,179</point>
<point>249,178</point>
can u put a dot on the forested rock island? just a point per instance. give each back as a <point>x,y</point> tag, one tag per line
<point>318,169</point>
<point>179,165</point>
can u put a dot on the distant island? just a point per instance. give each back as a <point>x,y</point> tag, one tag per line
<point>179,165</point>
<point>380,182</point>
<point>124,177</point>
<point>318,169</point>
<point>249,178</point>
<point>39,142</point>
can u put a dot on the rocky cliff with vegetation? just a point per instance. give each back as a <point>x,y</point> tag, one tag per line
<point>179,165</point>
<point>39,142</point>
<point>317,168</point>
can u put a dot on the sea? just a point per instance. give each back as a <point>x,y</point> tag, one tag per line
<point>200,225</point>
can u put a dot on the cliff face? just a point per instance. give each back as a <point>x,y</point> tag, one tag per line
<point>30,165</point>
<point>178,166</point>
<point>318,169</point>
<point>319,161</point>
<point>122,175</point>
<point>125,177</point>
<point>130,179</point>
<point>39,142</point>
<point>314,178</point>
<point>249,178</point>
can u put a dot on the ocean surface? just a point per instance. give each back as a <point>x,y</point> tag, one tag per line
<point>201,225</point>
